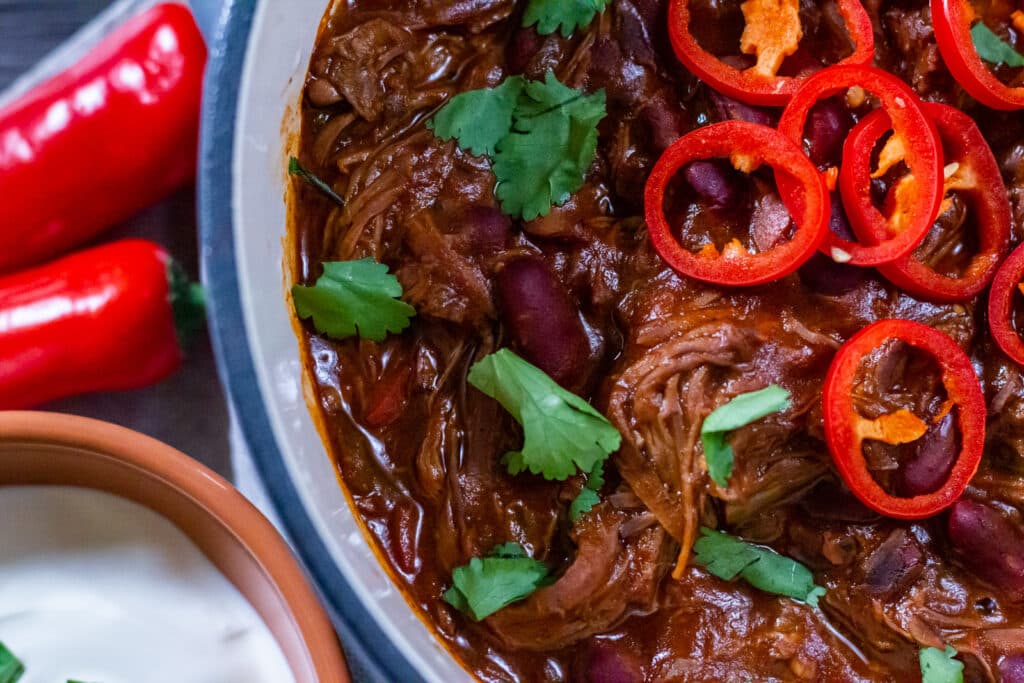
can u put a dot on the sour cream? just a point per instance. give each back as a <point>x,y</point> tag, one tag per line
<point>96,588</point>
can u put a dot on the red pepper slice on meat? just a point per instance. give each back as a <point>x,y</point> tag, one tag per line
<point>772,33</point>
<point>922,152</point>
<point>1006,287</point>
<point>103,140</point>
<point>846,430</point>
<point>953,20</point>
<point>971,169</point>
<point>748,146</point>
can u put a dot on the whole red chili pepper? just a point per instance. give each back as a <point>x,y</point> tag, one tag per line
<point>110,318</point>
<point>774,33</point>
<point>923,155</point>
<point>749,146</point>
<point>953,20</point>
<point>846,429</point>
<point>972,171</point>
<point>1005,325</point>
<point>108,137</point>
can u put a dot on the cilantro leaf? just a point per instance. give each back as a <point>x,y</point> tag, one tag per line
<point>552,144</point>
<point>938,666</point>
<point>298,170</point>
<point>487,584</point>
<point>739,412</point>
<point>569,15</point>
<point>727,557</point>
<point>354,297</point>
<point>994,49</point>
<point>11,668</point>
<point>562,432</point>
<point>479,119</point>
<point>588,498</point>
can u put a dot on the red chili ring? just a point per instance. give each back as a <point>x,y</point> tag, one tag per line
<point>766,146</point>
<point>924,156</point>
<point>747,85</point>
<point>841,417</point>
<point>964,144</point>
<point>1005,286</point>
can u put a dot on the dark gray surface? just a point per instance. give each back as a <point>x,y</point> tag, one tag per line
<point>187,410</point>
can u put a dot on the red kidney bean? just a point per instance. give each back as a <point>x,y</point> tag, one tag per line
<point>521,50</point>
<point>824,275</point>
<point>664,123</point>
<point>828,124</point>
<point>933,459</point>
<point>894,565</point>
<point>1011,669</point>
<point>713,181</point>
<point>542,321</point>
<point>990,545</point>
<point>489,229</point>
<point>728,108</point>
<point>608,663</point>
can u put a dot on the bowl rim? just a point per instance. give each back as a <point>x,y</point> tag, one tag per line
<point>219,501</point>
<point>371,654</point>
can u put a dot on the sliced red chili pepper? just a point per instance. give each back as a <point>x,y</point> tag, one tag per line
<point>846,430</point>
<point>923,156</point>
<point>953,20</point>
<point>1007,285</point>
<point>971,170</point>
<point>103,140</point>
<point>772,33</point>
<point>748,146</point>
<point>110,318</point>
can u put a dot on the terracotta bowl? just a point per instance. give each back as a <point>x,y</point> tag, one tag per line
<point>58,450</point>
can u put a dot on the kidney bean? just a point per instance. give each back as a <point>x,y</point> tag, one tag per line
<point>828,124</point>
<point>542,320</point>
<point>824,275</point>
<point>521,50</point>
<point>933,459</point>
<point>1011,669</point>
<point>712,180</point>
<point>664,123</point>
<point>990,545</point>
<point>894,565</point>
<point>488,228</point>
<point>607,663</point>
<point>728,108</point>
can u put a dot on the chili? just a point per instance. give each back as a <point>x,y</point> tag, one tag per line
<point>971,170</point>
<point>772,33</point>
<point>923,155</point>
<point>110,318</point>
<point>1006,286</point>
<point>749,146</point>
<point>108,137</point>
<point>846,429</point>
<point>953,20</point>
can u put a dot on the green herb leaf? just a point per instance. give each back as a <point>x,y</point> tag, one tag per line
<point>994,49</point>
<point>583,503</point>
<point>479,119</point>
<point>938,666</point>
<point>487,584</point>
<point>728,557</point>
<point>739,412</point>
<point>297,169</point>
<point>562,432</point>
<point>552,144</point>
<point>11,668</point>
<point>354,297</point>
<point>569,15</point>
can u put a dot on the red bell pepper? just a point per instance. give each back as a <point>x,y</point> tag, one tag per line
<point>953,20</point>
<point>772,36</point>
<point>971,170</point>
<point>749,146</point>
<point>1007,286</point>
<point>923,155</point>
<point>110,318</point>
<point>108,137</point>
<point>846,430</point>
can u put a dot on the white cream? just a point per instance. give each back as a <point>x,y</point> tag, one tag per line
<point>95,588</point>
